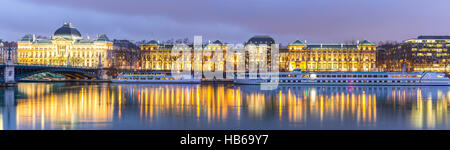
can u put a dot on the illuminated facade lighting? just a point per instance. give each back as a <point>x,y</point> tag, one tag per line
<point>425,53</point>
<point>332,57</point>
<point>65,47</point>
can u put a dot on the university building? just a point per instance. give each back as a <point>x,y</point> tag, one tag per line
<point>424,53</point>
<point>332,57</point>
<point>65,47</point>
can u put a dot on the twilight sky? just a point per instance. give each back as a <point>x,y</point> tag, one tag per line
<point>232,21</point>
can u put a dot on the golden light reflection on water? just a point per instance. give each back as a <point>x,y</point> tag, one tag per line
<point>102,106</point>
<point>336,104</point>
<point>45,107</point>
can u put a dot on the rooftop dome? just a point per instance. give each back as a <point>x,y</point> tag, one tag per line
<point>261,40</point>
<point>68,31</point>
<point>297,43</point>
<point>217,42</point>
<point>102,38</point>
<point>366,42</point>
<point>152,42</point>
<point>28,38</point>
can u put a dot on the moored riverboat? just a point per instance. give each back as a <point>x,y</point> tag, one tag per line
<point>298,77</point>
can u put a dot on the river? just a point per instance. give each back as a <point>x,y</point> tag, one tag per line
<point>93,106</point>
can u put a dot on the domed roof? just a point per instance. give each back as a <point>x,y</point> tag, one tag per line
<point>152,42</point>
<point>102,38</point>
<point>217,42</point>
<point>28,38</point>
<point>261,40</point>
<point>366,42</point>
<point>297,43</point>
<point>68,31</point>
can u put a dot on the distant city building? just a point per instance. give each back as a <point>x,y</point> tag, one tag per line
<point>125,55</point>
<point>332,57</point>
<point>65,47</point>
<point>425,53</point>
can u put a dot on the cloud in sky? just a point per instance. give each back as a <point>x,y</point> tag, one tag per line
<point>230,20</point>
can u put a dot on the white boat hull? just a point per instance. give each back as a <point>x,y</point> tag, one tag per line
<point>186,81</point>
<point>352,79</point>
<point>423,83</point>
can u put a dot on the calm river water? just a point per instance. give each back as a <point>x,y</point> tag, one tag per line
<point>72,106</point>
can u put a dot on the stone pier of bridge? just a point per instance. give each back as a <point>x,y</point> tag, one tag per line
<point>8,73</point>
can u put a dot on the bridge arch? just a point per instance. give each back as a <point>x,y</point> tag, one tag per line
<point>68,72</point>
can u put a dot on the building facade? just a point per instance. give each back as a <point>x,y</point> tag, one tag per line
<point>65,48</point>
<point>332,57</point>
<point>425,53</point>
<point>156,56</point>
<point>360,56</point>
<point>253,55</point>
<point>125,55</point>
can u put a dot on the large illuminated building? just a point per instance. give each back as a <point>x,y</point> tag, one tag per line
<point>425,53</point>
<point>332,57</point>
<point>65,47</point>
<point>156,56</point>
<point>262,45</point>
<point>298,55</point>
<point>212,61</point>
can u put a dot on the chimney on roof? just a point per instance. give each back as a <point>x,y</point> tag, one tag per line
<point>34,37</point>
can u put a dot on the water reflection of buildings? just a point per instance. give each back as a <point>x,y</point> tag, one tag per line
<point>211,103</point>
<point>102,106</point>
<point>428,109</point>
<point>324,104</point>
<point>50,106</point>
